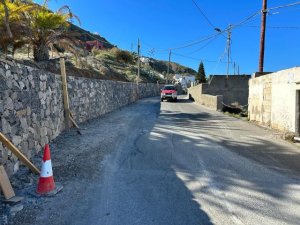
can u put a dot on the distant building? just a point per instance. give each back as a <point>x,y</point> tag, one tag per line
<point>144,60</point>
<point>185,81</point>
<point>89,45</point>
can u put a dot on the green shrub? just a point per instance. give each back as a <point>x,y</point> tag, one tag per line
<point>122,56</point>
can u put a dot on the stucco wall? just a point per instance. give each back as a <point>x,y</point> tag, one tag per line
<point>31,105</point>
<point>260,100</point>
<point>210,101</point>
<point>272,99</point>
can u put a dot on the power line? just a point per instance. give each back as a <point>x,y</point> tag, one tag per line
<point>276,27</point>
<point>197,42</point>
<point>199,49</point>
<point>206,38</point>
<point>221,32</point>
<point>206,17</point>
<point>243,22</point>
<point>203,14</point>
<point>196,59</point>
<point>284,6</point>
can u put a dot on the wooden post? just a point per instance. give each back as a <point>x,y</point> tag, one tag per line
<point>65,92</point>
<point>5,184</point>
<point>18,153</point>
<point>262,37</point>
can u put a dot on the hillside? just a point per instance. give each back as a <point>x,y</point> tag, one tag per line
<point>108,63</point>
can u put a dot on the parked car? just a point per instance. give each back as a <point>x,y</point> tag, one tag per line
<point>168,92</point>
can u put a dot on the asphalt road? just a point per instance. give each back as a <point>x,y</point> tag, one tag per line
<point>196,166</point>
<point>179,164</point>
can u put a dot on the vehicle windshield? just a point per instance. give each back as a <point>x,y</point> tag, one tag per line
<point>169,88</point>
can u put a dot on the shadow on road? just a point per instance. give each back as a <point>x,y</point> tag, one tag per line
<point>275,170</point>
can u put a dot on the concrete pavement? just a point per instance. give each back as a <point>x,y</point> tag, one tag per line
<point>196,166</point>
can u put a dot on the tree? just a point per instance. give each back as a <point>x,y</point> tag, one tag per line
<point>46,28</point>
<point>5,17</point>
<point>12,24</point>
<point>201,77</point>
<point>37,26</point>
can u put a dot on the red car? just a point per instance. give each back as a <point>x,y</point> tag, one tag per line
<point>168,92</point>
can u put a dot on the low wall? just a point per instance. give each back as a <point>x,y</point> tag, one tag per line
<point>31,105</point>
<point>274,100</point>
<point>210,101</point>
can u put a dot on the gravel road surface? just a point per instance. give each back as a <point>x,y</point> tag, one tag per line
<point>170,164</point>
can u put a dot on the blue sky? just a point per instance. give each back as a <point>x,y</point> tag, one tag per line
<point>165,24</point>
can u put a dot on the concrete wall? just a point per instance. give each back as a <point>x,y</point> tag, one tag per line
<point>210,101</point>
<point>273,99</point>
<point>234,89</point>
<point>31,105</point>
<point>219,89</point>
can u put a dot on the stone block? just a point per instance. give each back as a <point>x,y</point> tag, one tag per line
<point>24,147</point>
<point>9,104</point>
<point>21,85</point>
<point>24,124</point>
<point>6,128</point>
<point>16,140</point>
<point>3,84</point>
<point>1,106</point>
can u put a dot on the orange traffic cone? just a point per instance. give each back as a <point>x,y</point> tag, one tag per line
<point>46,182</point>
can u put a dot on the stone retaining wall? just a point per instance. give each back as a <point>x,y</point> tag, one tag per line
<point>31,105</point>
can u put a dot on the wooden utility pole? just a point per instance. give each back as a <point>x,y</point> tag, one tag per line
<point>139,62</point>
<point>169,63</point>
<point>228,48</point>
<point>262,37</point>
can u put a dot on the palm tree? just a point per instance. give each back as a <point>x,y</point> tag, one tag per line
<point>37,26</point>
<point>13,27</point>
<point>5,17</point>
<point>46,28</point>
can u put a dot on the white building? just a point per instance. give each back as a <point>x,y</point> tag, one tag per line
<point>274,100</point>
<point>185,81</point>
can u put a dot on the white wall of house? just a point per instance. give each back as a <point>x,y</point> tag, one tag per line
<point>273,101</point>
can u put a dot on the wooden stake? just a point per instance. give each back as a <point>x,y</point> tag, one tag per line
<point>65,92</point>
<point>74,123</point>
<point>5,184</point>
<point>18,153</point>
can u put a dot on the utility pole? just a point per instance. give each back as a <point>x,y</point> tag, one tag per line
<point>262,37</point>
<point>169,65</point>
<point>234,68</point>
<point>139,62</point>
<point>228,49</point>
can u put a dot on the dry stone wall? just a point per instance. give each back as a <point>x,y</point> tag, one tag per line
<point>31,105</point>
